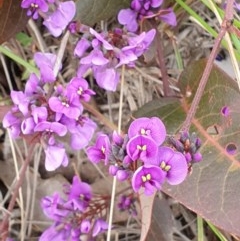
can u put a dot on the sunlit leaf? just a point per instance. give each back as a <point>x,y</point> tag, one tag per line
<point>90,12</point>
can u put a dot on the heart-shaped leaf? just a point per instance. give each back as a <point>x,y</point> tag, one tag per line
<point>212,189</point>
<point>90,12</point>
<point>12,18</point>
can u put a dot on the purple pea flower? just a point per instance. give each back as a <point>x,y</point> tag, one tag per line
<point>106,78</point>
<point>143,148</point>
<point>39,114</point>
<point>99,226</point>
<point>21,100</point>
<point>128,18</point>
<point>53,207</point>
<point>12,122</point>
<point>55,233</point>
<point>82,133</point>
<point>85,226</point>
<point>152,127</point>
<point>81,47</point>
<point>67,105</point>
<point>148,176</point>
<point>101,150</point>
<point>45,62</point>
<point>58,21</point>
<point>173,164</point>
<point>27,126</point>
<point>32,85</point>
<point>101,39</point>
<point>55,157</point>
<point>80,88</point>
<point>34,6</point>
<point>168,16</point>
<point>140,43</point>
<point>51,127</point>
<point>80,193</point>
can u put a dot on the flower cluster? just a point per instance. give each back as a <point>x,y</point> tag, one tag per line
<point>56,17</point>
<point>80,213</point>
<point>141,9</point>
<point>188,145</point>
<point>105,52</point>
<point>48,114</point>
<point>139,155</point>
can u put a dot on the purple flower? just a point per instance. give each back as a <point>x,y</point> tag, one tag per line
<point>27,126</point>
<point>80,193</point>
<point>148,176</point>
<point>55,233</point>
<point>81,133</point>
<point>58,21</point>
<point>51,127</point>
<point>152,127</point>
<point>85,226</point>
<point>39,114</point>
<point>173,163</point>
<point>81,47</point>
<point>100,38</point>
<point>101,150</point>
<point>168,16</point>
<point>53,207</point>
<point>143,148</point>
<point>46,62</point>
<point>95,57</point>
<point>122,175</point>
<point>33,7</point>
<point>140,43</point>
<point>99,226</point>
<point>106,78</point>
<point>32,85</point>
<point>12,122</point>
<point>67,105</point>
<point>21,100</point>
<point>79,87</point>
<point>55,157</point>
<point>128,18</point>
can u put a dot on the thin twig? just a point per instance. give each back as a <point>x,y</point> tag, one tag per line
<point>162,65</point>
<point>114,178</point>
<point>203,81</point>
<point>5,221</point>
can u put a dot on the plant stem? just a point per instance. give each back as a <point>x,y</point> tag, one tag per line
<point>162,65</point>
<point>203,81</point>
<point>5,222</point>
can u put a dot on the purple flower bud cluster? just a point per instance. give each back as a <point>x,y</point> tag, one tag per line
<point>47,115</point>
<point>56,16</point>
<point>188,145</point>
<point>127,203</point>
<point>105,52</point>
<point>139,155</point>
<point>79,213</point>
<point>141,9</point>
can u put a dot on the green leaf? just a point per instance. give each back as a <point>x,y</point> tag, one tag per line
<point>212,189</point>
<point>90,12</point>
<point>24,39</point>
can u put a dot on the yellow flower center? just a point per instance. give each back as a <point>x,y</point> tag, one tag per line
<point>143,131</point>
<point>165,167</point>
<point>65,104</point>
<point>146,177</point>
<point>142,148</point>
<point>80,90</point>
<point>103,149</point>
